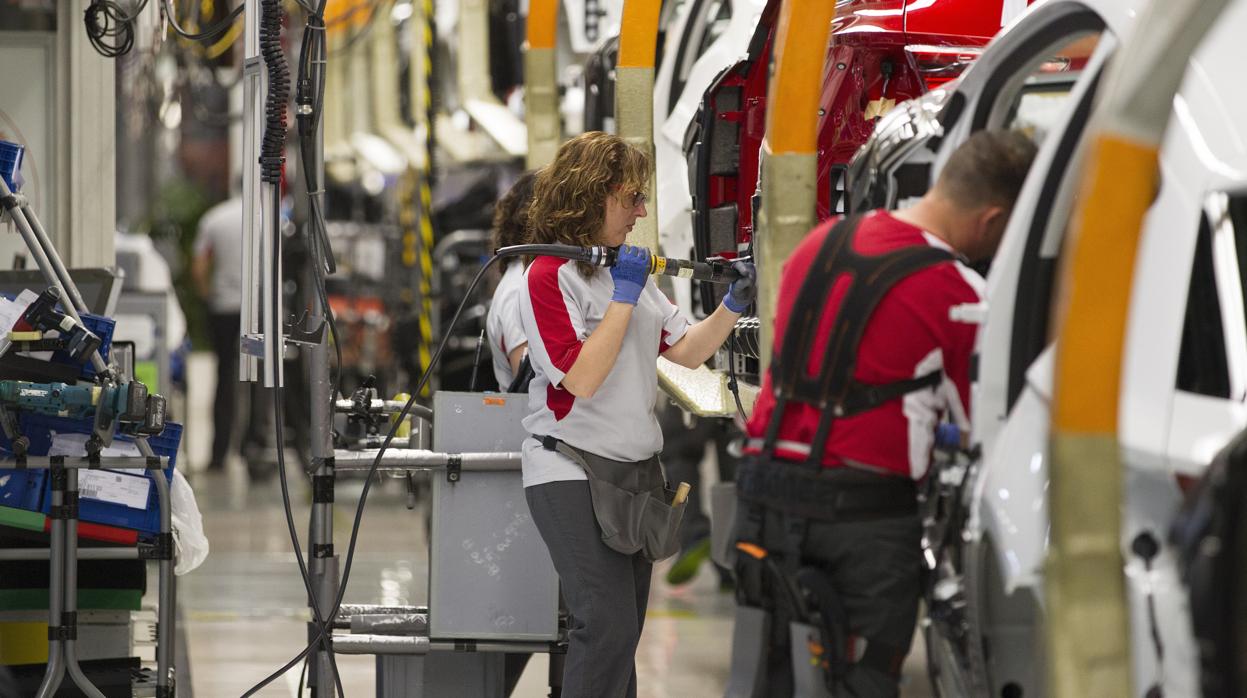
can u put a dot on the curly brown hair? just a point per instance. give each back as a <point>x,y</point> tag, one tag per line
<point>511,215</point>
<point>569,196</point>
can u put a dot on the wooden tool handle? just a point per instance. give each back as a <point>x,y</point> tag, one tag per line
<point>681,493</point>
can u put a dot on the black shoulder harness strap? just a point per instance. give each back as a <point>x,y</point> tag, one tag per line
<point>833,389</point>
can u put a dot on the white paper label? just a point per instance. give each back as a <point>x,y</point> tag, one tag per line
<point>128,486</point>
<point>114,487</point>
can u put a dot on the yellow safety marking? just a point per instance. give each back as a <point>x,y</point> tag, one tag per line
<point>658,265</point>
<point>800,50</point>
<point>543,18</point>
<point>638,33</point>
<point>1117,191</point>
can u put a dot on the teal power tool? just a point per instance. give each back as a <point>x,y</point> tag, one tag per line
<point>128,407</point>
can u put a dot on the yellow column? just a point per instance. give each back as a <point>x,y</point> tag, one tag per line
<point>789,151</point>
<point>634,98</point>
<point>540,83</point>
<point>1088,623</point>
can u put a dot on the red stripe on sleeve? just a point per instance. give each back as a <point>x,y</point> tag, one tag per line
<point>558,336</point>
<point>663,346</point>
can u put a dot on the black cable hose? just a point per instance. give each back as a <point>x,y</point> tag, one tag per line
<point>323,631</point>
<point>372,471</point>
<point>109,28</point>
<point>273,144</point>
<point>513,251</point>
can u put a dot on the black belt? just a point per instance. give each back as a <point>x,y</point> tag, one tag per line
<point>834,495</point>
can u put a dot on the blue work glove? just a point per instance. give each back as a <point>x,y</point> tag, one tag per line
<point>630,273</point>
<point>744,290</point>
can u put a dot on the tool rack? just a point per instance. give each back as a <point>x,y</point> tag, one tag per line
<point>63,553</point>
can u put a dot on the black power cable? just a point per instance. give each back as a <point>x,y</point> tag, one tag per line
<point>109,28</point>
<point>372,471</point>
<point>564,251</point>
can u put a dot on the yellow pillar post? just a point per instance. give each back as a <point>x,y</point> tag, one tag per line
<point>789,151</point>
<point>634,98</point>
<point>541,97</point>
<point>1088,622</point>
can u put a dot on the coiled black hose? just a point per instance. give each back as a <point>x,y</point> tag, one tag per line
<point>273,145</point>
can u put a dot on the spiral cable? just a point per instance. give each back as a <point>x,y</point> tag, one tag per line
<point>273,145</point>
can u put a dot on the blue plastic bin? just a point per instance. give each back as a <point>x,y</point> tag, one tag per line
<point>21,489</point>
<point>11,164</point>
<point>39,430</point>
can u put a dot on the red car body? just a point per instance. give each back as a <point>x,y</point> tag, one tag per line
<point>882,52</point>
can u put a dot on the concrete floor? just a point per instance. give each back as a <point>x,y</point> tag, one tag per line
<point>245,609</point>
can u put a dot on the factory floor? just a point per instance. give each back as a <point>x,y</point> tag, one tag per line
<point>244,610</point>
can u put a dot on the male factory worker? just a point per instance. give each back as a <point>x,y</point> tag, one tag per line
<point>217,272</point>
<point>866,363</point>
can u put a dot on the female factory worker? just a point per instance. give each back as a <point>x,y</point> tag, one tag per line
<point>594,336</point>
<point>507,341</point>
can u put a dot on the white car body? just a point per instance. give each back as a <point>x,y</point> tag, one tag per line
<point>693,57</point>
<point>1165,429</point>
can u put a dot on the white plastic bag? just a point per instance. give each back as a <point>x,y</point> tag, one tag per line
<point>188,526</point>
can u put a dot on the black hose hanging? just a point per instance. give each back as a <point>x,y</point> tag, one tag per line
<point>273,145</point>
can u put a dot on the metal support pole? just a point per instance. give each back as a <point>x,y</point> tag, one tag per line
<point>166,612</point>
<point>322,560</point>
<point>69,624</point>
<point>403,459</point>
<point>55,672</point>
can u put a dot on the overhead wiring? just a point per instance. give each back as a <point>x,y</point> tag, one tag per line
<point>110,28</point>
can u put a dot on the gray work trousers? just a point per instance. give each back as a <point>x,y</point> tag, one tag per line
<point>606,592</point>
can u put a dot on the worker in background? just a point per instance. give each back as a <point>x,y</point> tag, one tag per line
<point>594,336</point>
<point>217,272</point>
<point>866,363</point>
<point>507,342</point>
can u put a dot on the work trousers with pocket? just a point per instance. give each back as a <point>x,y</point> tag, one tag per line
<point>606,592</point>
<point>875,567</point>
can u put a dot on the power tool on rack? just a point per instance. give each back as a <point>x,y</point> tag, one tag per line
<point>42,315</point>
<point>126,407</point>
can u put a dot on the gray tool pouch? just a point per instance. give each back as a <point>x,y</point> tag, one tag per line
<point>631,503</point>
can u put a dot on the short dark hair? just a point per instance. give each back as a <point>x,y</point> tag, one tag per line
<point>988,169</point>
<point>511,214</point>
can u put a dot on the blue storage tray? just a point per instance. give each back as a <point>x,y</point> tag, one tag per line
<point>39,429</point>
<point>21,489</point>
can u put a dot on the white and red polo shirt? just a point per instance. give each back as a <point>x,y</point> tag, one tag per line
<point>502,324</point>
<point>908,335</point>
<point>560,309</point>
